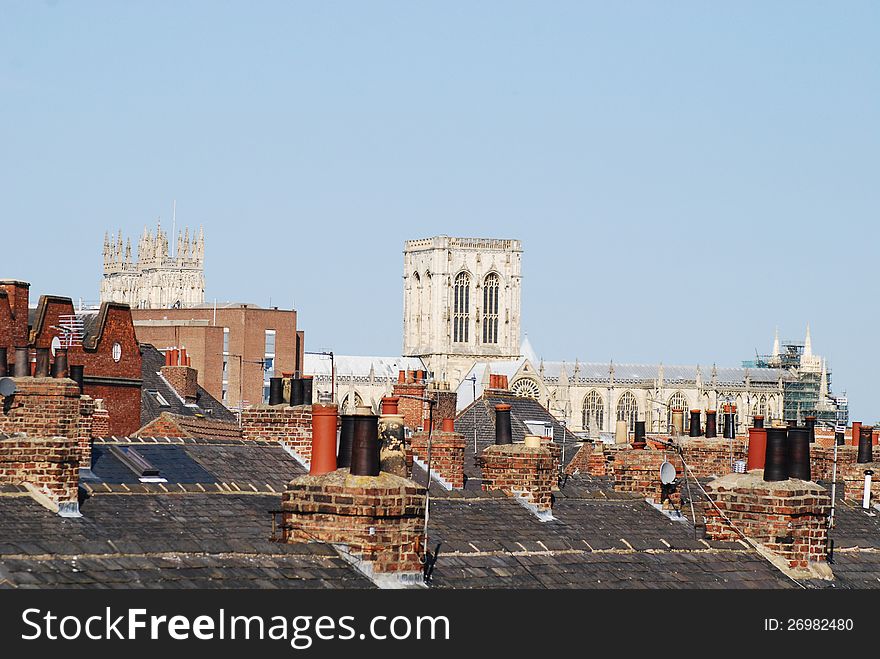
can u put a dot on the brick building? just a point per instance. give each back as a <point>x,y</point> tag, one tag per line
<point>235,348</point>
<point>102,340</point>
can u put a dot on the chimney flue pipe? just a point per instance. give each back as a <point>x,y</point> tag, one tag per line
<point>758,421</point>
<point>3,361</point>
<point>776,456</point>
<point>365,445</point>
<point>346,435</point>
<point>390,405</point>
<point>711,427</point>
<point>854,437</point>
<point>276,391</point>
<point>799,453</point>
<point>639,435</point>
<point>22,365</point>
<point>77,374</point>
<point>729,422</point>
<point>59,366</point>
<point>677,421</point>
<point>866,451</point>
<point>696,431</point>
<point>296,392</point>
<point>810,423</point>
<point>503,433</point>
<point>323,439</point>
<point>42,363</point>
<point>757,448</point>
<point>306,385</point>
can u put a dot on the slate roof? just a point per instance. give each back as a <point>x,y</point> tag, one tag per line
<point>208,525</point>
<point>481,415</point>
<point>152,362</point>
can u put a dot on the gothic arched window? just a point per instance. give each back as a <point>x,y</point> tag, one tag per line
<point>593,412</point>
<point>677,401</point>
<point>417,306</point>
<point>490,308</point>
<point>760,407</point>
<point>461,308</point>
<point>628,410</point>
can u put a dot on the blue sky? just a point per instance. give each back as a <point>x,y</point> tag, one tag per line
<point>684,176</point>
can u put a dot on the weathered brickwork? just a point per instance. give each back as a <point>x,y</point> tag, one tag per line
<point>787,517</point>
<point>183,379</point>
<point>518,470</point>
<point>42,407</point>
<point>709,458</point>
<point>379,518</point>
<point>852,476</point>
<point>447,454</point>
<point>445,406</point>
<point>51,465</point>
<point>413,411</point>
<point>117,381</point>
<point>290,425</point>
<point>84,431</point>
<point>638,471</point>
<point>822,460</point>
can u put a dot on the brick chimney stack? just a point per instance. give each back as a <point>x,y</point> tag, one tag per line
<point>447,454</point>
<point>180,375</point>
<point>373,516</point>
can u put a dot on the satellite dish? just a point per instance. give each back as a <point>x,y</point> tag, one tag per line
<point>7,386</point>
<point>667,473</point>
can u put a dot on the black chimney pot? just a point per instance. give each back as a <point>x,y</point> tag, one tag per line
<point>776,457</point>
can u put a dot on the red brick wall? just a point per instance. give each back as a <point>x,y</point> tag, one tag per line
<point>822,460</point>
<point>290,425</point>
<point>17,293</point>
<point>379,518</point>
<point>42,407</point>
<point>413,411</point>
<point>852,476</point>
<point>447,454</point>
<point>247,337</point>
<point>6,327</point>
<point>711,457</point>
<point>123,404</point>
<point>638,471</point>
<point>84,431</point>
<point>183,379</point>
<point>520,471</point>
<point>122,399</point>
<point>51,465</point>
<point>445,407</point>
<point>788,517</point>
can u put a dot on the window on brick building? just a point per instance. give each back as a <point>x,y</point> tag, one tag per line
<point>268,362</point>
<point>225,339</point>
<point>461,308</point>
<point>490,308</point>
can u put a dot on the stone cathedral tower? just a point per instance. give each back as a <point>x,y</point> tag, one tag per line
<point>156,279</point>
<point>461,302</point>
